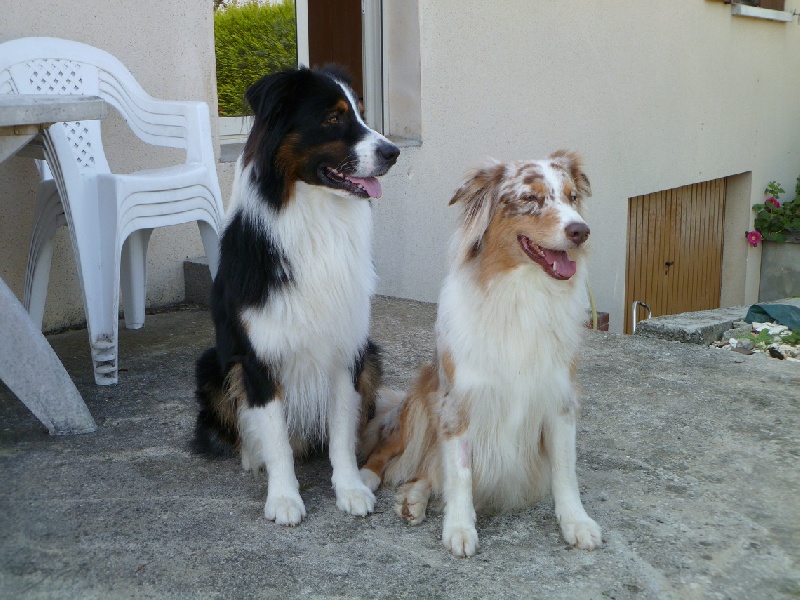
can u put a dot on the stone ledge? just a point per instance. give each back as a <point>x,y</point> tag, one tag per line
<point>701,327</point>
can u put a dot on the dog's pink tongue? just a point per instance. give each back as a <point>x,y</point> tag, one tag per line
<point>371,184</point>
<point>561,262</point>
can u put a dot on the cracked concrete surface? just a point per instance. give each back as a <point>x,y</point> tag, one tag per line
<point>687,457</point>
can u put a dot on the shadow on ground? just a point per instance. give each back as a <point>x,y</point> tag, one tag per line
<point>687,457</point>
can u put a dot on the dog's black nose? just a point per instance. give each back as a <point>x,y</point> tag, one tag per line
<point>577,232</point>
<point>389,152</point>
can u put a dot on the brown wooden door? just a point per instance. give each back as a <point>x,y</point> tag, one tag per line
<point>674,261</point>
<point>334,36</point>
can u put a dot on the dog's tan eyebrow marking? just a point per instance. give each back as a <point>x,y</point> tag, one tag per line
<point>568,188</point>
<point>533,191</point>
<point>534,179</point>
<point>342,106</point>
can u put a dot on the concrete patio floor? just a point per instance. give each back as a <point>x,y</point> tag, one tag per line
<point>687,457</point>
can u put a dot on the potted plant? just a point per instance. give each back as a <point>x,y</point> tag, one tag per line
<point>777,228</point>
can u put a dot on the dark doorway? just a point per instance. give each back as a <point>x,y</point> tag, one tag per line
<point>334,36</point>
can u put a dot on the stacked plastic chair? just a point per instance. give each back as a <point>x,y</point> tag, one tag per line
<point>110,216</point>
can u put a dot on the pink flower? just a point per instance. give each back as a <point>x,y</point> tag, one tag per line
<point>753,238</point>
<point>774,201</point>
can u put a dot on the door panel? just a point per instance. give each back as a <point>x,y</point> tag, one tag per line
<point>675,241</point>
<point>334,36</point>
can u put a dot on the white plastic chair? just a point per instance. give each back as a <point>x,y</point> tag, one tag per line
<point>110,217</point>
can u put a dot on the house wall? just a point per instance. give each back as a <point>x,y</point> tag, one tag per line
<point>654,96</point>
<point>169,48</point>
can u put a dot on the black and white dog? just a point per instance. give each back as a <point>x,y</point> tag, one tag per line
<point>293,366</point>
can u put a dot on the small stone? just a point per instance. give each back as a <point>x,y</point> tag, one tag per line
<point>737,332</point>
<point>775,353</point>
<point>771,328</point>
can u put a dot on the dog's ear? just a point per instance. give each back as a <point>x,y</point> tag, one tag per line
<point>271,99</point>
<point>479,196</point>
<point>572,163</point>
<point>267,97</point>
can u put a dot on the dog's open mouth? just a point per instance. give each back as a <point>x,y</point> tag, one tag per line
<point>555,263</point>
<point>363,187</point>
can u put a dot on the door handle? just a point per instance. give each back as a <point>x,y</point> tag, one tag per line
<point>636,304</point>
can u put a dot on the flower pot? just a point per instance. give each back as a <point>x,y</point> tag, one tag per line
<point>780,270</point>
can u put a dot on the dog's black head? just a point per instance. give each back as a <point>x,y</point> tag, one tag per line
<point>308,127</point>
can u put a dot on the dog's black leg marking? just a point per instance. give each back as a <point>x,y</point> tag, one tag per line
<point>236,286</point>
<point>367,374</point>
<point>213,437</point>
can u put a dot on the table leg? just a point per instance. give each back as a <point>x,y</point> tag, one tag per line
<point>33,372</point>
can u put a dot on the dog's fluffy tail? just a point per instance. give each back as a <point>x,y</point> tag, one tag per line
<point>214,435</point>
<point>401,440</point>
<point>386,418</point>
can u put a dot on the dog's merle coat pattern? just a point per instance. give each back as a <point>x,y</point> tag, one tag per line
<point>490,424</point>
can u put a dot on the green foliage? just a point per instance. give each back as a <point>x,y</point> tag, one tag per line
<point>774,189</point>
<point>763,339</point>
<point>251,41</point>
<point>793,339</point>
<point>778,223</point>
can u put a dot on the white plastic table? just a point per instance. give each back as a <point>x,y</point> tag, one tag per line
<point>28,365</point>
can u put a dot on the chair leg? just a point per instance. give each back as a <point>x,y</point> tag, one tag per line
<point>133,277</point>
<point>210,239</point>
<point>49,216</point>
<point>97,255</point>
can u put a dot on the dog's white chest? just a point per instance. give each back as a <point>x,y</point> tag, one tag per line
<point>323,313</point>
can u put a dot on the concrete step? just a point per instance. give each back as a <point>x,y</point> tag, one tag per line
<point>197,281</point>
<point>701,327</point>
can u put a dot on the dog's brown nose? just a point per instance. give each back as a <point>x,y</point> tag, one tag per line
<point>577,232</point>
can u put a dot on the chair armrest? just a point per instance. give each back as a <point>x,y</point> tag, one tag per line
<point>170,123</point>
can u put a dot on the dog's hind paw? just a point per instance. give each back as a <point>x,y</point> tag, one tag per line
<point>584,534</point>
<point>285,510</point>
<point>411,501</point>
<point>358,501</point>
<point>461,540</point>
<point>370,479</point>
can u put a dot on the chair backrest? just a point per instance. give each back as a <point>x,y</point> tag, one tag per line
<point>53,69</point>
<point>43,65</point>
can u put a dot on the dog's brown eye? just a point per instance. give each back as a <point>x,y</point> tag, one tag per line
<point>573,196</point>
<point>332,119</point>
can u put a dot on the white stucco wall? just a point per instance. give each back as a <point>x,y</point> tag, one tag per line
<point>169,48</point>
<point>654,95</point>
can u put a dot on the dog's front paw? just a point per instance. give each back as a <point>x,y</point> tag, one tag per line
<point>370,479</point>
<point>461,540</point>
<point>584,533</point>
<point>285,510</point>
<point>358,501</point>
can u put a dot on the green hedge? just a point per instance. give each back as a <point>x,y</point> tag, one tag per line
<point>251,40</point>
